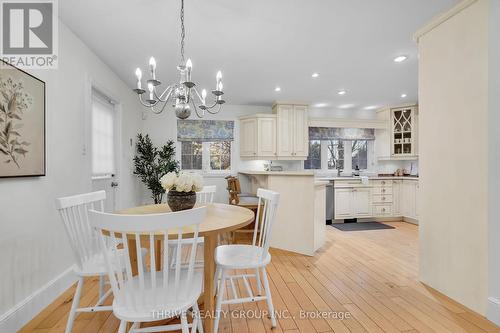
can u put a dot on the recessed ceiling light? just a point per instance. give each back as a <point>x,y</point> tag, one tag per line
<point>320,105</point>
<point>403,95</point>
<point>342,92</point>
<point>277,89</point>
<point>346,106</point>
<point>400,58</point>
<point>370,107</point>
<point>315,75</point>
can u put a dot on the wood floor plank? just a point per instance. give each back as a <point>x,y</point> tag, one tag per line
<point>371,277</point>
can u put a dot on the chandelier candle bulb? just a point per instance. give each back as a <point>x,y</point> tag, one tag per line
<point>218,79</point>
<point>203,95</point>
<point>189,66</point>
<point>152,66</point>
<point>151,88</point>
<point>138,74</point>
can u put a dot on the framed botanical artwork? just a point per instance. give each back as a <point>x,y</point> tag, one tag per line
<point>22,123</point>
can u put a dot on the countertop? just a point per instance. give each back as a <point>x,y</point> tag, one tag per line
<point>370,177</point>
<point>279,173</point>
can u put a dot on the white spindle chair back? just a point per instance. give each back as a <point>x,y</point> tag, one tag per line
<point>264,219</point>
<point>150,289</point>
<point>206,195</point>
<point>74,213</point>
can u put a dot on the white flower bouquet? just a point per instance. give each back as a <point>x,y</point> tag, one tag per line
<point>182,182</point>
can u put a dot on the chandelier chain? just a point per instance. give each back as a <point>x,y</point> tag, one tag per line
<point>183,32</point>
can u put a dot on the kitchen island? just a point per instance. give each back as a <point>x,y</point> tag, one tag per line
<point>300,219</point>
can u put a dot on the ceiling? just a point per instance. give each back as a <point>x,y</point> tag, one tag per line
<point>262,44</point>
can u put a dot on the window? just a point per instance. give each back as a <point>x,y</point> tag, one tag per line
<point>220,155</point>
<point>191,155</point>
<point>102,136</point>
<point>207,156</point>
<point>335,154</point>
<point>359,153</point>
<point>344,154</point>
<point>314,159</point>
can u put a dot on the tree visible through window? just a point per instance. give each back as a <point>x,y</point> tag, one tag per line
<point>335,154</point>
<point>314,159</point>
<point>359,154</point>
<point>220,155</point>
<point>191,155</point>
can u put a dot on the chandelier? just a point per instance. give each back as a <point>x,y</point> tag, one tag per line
<point>182,94</point>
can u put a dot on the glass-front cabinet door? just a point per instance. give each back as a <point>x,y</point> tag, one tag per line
<point>403,138</point>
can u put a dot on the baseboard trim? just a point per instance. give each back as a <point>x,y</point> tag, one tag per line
<point>19,315</point>
<point>493,310</point>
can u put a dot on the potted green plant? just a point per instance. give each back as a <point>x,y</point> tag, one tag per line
<point>181,189</point>
<point>151,163</point>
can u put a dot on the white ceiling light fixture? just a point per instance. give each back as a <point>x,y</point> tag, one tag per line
<point>277,89</point>
<point>341,92</point>
<point>403,95</point>
<point>315,75</point>
<point>346,106</point>
<point>400,58</point>
<point>320,105</point>
<point>370,107</point>
<point>182,93</point>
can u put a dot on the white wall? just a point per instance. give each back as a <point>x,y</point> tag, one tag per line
<point>493,311</point>
<point>33,246</point>
<point>453,145</point>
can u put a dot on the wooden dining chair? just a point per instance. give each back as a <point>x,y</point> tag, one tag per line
<point>152,295</point>
<point>248,257</point>
<point>84,245</point>
<point>236,197</point>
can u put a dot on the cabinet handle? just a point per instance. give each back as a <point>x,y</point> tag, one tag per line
<point>383,182</point>
<point>383,190</point>
<point>383,198</point>
<point>383,209</point>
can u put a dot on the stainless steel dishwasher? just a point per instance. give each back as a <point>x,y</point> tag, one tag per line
<point>330,202</point>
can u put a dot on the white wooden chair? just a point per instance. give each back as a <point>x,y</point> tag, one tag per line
<point>255,256</point>
<point>152,295</point>
<point>84,244</point>
<point>205,196</point>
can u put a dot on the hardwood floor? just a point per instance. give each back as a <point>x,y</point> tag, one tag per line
<point>368,277</point>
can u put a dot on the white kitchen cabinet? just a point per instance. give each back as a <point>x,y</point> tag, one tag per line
<point>248,137</point>
<point>353,203</point>
<point>409,198</point>
<point>266,136</point>
<point>361,202</point>
<point>301,131</point>
<point>258,136</point>
<point>292,131</point>
<point>404,131</point>
<point>343,201</point>
<point>396,197</point>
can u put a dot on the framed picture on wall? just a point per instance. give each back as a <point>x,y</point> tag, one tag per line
<point>22,123</point>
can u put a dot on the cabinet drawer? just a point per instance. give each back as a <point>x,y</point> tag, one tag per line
<point>382,190</point>
<point>382,210</point>
<point>381,198</point>
<point>381,182</point>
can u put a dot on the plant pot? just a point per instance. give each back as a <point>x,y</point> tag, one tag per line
<point>181,200</point>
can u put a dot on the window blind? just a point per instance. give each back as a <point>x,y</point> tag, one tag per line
<point>103,134</point>
<point>205,130</point>
<point>334,133</point>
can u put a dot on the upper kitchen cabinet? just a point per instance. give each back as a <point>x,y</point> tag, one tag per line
<point>404,132</point>
<point>282,135</point>
<point>399,141</point>
<point>258,136</point>
<point>292,131</point>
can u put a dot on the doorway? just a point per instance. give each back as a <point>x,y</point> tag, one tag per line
<point>105,146</point>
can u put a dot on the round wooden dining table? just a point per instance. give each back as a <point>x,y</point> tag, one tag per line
<point>220,218</point>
